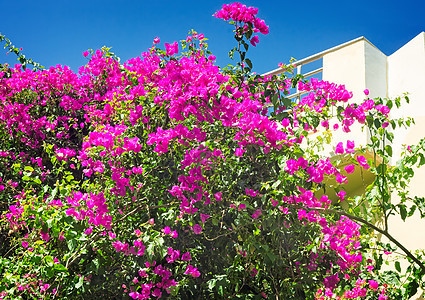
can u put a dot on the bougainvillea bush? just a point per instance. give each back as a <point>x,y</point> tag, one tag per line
<point>167,176</point>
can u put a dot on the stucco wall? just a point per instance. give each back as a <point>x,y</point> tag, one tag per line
<point>362,66</point>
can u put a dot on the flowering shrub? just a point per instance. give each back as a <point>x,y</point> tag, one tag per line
<point>168,176</point>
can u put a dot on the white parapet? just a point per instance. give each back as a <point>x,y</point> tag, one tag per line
<point>361,66</point>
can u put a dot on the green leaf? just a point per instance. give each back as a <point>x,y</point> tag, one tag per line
<point>28,169</point>
<point>389,150</point>
<point>276,184</point>
<point>403,212</point>
<point>72,244</point>
<point>52,196</point>
<point>397,266</point>
<point>173,290</point>
<point>59,268</point>
<point>390,136</point>
<point>220,290</point>
<point>211,284</point>
<point>407,99</point>
<point>249,63</point>
<point>49,260</point>
<point>412,288</point>
<point>422,159</point>
<point>150,250</point>
<point>80,282</point>
<point>36,259</point>
<point>412,210</point>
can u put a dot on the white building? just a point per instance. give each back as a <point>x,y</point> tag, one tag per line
<point>359,65</point>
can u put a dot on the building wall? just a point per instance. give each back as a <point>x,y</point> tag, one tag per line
<point>361,66</point>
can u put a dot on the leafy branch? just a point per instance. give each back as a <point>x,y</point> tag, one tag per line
<point>21,57</point>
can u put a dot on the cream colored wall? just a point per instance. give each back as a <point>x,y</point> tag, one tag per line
<point>347,66</point>
<point>362,66</point>
<point>376,71</point>
<point>406,73</point>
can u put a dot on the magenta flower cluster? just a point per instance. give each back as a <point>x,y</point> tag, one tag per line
<point>242,16</point>
<point>111,125</point>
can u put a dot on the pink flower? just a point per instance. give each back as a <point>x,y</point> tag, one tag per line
<point>256,214</point>
<point>339,148</point>
<point>171,49</point>
<point>331,281</point>
<point>325,124</point>
<point>285,122</point>
<point>156,293</point>
<point>373,285</point>
<point>383,109</point>
<point>218,196</point>
<point>24,244</point>
<point>341,179</point>
<point>240,151</point>
<point>255,40</point>
<point>204,218</point>
<point>237,94</point>
<point>192,271</point>
<point>86,53</point>
<point>156,40</point>
<point>349,169</point>
<point>197,229</point>
<point>211,58</point>
<point>186,257</point>
<point>366,92</point>
<point>44,236</point>
<point>64,154</point>
<point>44,287</point>
<point>250,192</point>
<point>301,214</point>
<point>166,230</point>
<point>350,146</point>
<point>89,230</point>
<point>362,161</point>
<point>341,195</point>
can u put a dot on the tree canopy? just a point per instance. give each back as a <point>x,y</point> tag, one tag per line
<point>168,176</point>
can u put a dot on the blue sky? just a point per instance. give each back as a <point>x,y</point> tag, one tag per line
<point>58,32</point>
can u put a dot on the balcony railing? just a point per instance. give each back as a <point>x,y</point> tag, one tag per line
<point>300,63</point>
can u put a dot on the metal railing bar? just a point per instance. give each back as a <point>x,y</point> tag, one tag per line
<point>296,95</point>
<point>317,56</point>
<point>313,72</point>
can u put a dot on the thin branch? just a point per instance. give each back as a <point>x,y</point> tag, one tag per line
<point>144,205</point>
<point>370,225</point>
<point>96,236</point>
